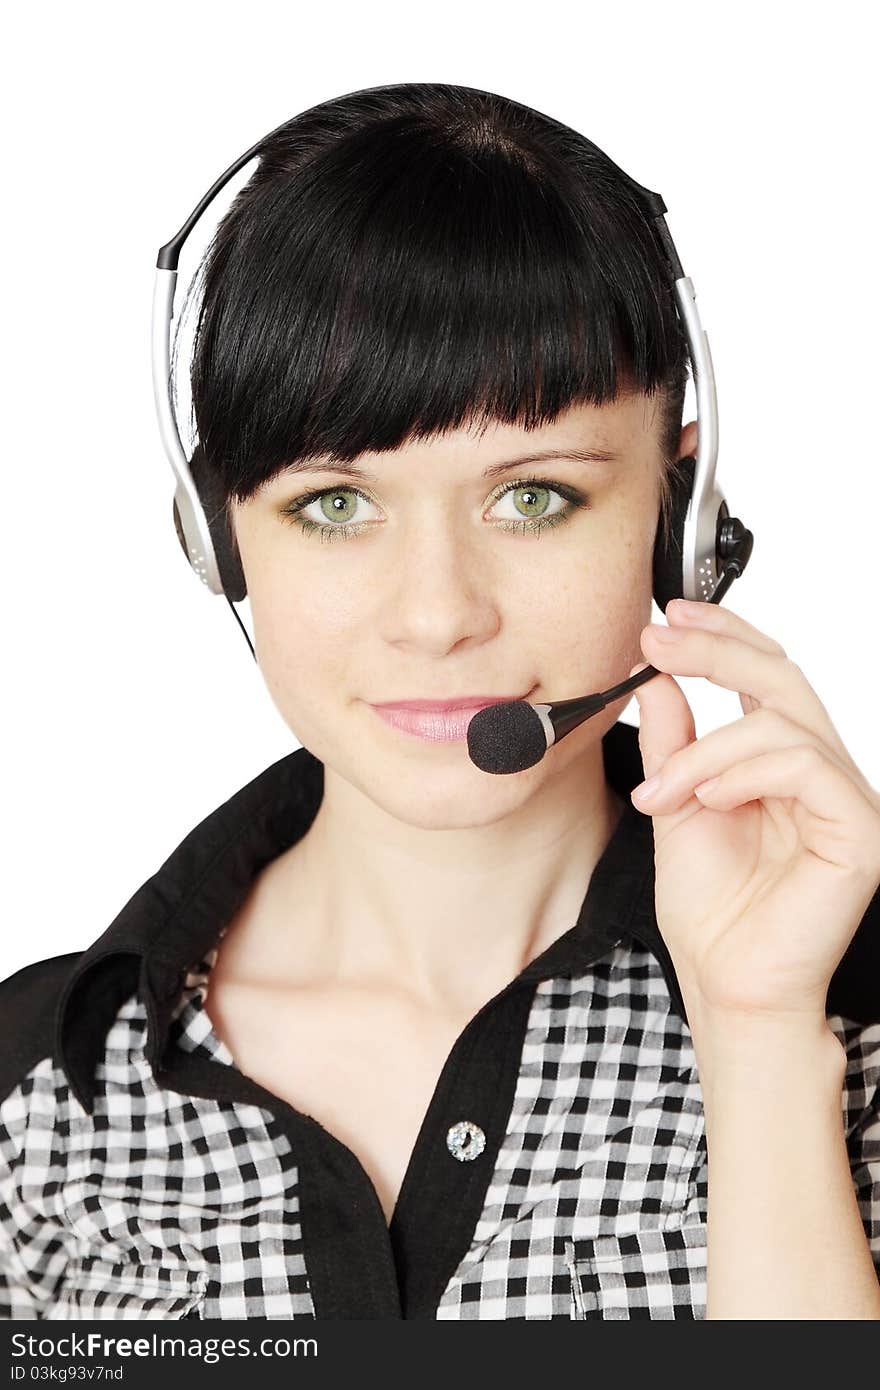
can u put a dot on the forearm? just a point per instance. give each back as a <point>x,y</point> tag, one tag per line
<point>785,1237</point>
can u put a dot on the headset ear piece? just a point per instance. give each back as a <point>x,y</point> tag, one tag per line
<point>213,501</point>
<point>733,542</point>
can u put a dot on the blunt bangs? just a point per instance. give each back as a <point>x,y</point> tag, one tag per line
<point>415,258</point>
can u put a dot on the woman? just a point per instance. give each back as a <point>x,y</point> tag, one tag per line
<point>390,1037</point>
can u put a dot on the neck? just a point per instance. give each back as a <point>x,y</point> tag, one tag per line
<point>447,917</point>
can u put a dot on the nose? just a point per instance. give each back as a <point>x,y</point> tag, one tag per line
<point>441,591</point>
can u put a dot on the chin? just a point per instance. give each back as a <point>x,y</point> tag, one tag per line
<point>440,794</point>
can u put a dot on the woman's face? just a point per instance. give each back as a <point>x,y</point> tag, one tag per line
<point>429,576</point>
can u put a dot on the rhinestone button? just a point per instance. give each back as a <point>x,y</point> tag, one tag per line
<point>465,1140</point>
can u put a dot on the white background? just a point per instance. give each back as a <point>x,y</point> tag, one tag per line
<point>132,706</point>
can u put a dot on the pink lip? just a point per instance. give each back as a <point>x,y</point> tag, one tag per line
<point>439,721</point>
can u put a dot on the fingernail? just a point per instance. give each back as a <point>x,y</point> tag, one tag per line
<point>707,785</point>
<point>667,634</point>
<point>647,789</point>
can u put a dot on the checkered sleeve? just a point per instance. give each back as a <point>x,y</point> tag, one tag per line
<point>32,1253</point>
<point>861,1109</point>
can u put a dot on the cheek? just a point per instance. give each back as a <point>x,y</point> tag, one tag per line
<point>585,613</point>
<point>304,639</point>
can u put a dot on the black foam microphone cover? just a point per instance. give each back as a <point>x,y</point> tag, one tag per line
<point>506,737</point>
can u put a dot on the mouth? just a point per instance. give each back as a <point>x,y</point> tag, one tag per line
<point>438,721</point>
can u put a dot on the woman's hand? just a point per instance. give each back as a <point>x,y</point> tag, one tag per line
<point>762,877</point>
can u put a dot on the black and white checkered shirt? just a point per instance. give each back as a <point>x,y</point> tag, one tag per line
<point>560,1170</point>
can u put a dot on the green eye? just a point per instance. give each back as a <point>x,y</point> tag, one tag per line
<point>338,505</point>
<point>530,499</point>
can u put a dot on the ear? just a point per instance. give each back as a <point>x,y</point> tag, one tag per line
<point>687,444</point>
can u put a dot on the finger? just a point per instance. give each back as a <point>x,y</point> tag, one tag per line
<point>759,732</point>
<point>772,679</point>
<point>713,618</point>
<point>666,722</point>
<point>709,616</point>
<point>841,825</point>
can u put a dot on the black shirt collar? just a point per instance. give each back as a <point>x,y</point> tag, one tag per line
<point>174,917</point>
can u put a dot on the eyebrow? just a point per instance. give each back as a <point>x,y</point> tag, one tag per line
<point>351,470</point>
<point>543,455</point>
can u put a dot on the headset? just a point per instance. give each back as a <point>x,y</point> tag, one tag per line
<point>703,551</point>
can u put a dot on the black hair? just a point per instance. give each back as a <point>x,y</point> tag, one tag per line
<point>413,258</point>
